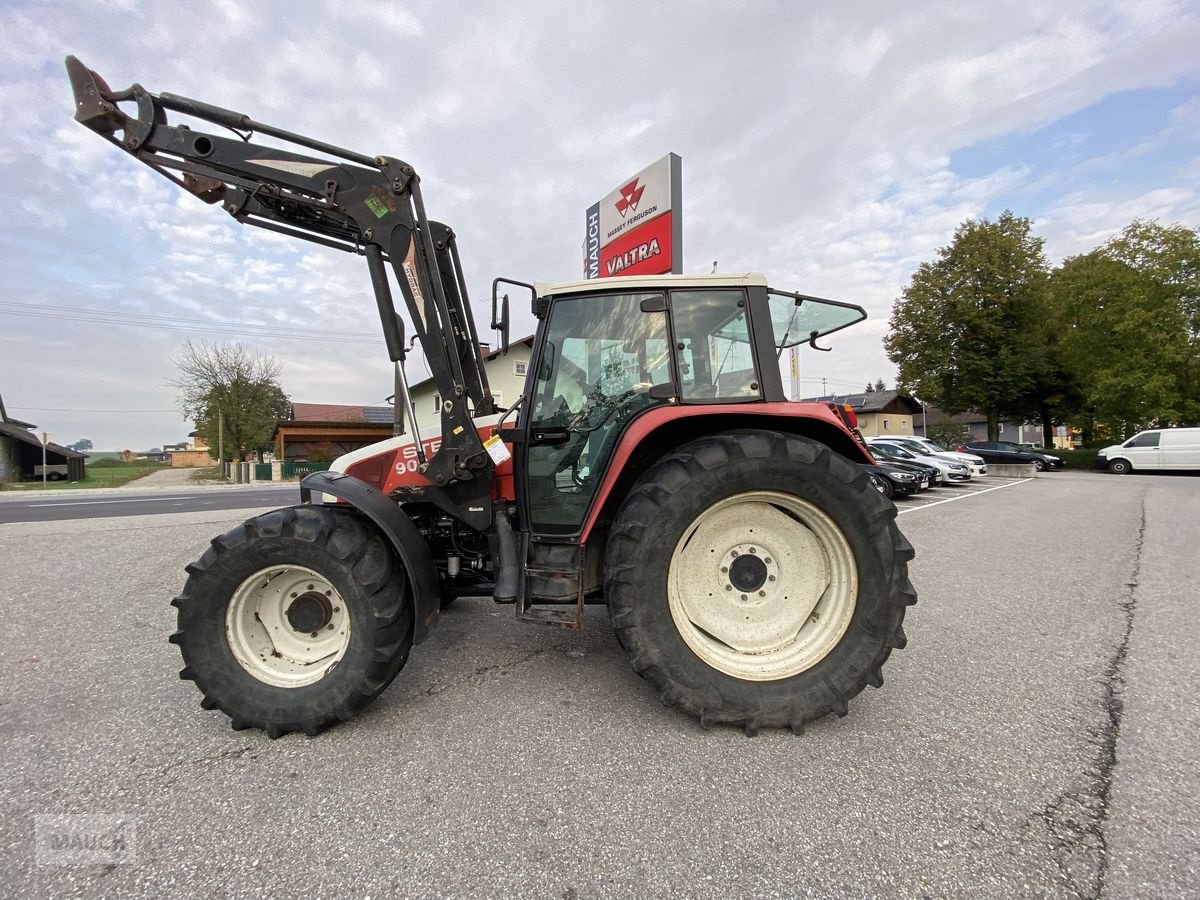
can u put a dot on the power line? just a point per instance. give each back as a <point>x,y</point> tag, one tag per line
<point>222,329</point>
<point>60,409</point>
<point>126,315</point>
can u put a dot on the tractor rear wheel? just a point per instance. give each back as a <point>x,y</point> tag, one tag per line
<point>784,589</point>
<point>294,620</point>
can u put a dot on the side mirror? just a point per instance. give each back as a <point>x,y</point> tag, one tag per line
<point>500,306</point>
<point>500,319</point>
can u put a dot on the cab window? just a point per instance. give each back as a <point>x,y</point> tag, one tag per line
<point>1145,439</point>
<point>712,349</point>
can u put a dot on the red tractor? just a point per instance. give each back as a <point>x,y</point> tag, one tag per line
<point>752,573</point>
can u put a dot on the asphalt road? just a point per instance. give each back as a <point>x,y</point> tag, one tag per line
<point>1035,739</point>
<point>96,504</point>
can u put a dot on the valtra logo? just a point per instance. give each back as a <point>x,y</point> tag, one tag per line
<point>630,195</point>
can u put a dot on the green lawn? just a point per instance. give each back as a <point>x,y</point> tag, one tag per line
<point>106,476</point>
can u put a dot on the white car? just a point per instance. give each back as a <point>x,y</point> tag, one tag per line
<point>923,445</point>
<point>952,470</point>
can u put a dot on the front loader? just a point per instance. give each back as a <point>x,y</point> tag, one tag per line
<point>653,463</point>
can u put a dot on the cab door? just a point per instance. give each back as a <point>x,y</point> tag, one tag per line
<point>601,356</point>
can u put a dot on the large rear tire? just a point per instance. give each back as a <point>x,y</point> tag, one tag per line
<point>294,620</point>
<point>757,579</point>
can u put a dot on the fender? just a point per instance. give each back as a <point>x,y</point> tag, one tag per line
<point>398,528</point>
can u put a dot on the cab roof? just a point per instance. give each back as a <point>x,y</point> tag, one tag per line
<point>652,282</point>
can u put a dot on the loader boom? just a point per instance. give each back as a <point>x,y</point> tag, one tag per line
<point>370,205</point>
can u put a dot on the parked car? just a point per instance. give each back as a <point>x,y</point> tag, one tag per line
<point>1001,452</point>
<point>916,444</point>
<point>1159,448</point>
<point>951,471</point>
<point>902,459</point>
<point>893,482</point>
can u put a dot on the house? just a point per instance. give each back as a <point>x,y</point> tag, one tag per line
<point>21,454</point>
<point>974,428</point>
<point>506,374</point>
<point>323,431</point>
<point>880,413</point>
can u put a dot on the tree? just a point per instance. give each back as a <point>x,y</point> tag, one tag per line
<point>1129,328</point>
<point>964,334</point>
<point>232,383</point>
<point>80,445</point>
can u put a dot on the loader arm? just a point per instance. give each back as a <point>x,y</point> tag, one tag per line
<point>370,205</point>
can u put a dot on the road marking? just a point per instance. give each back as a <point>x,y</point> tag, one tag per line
<point>962,496</point>
<point>98,502</point>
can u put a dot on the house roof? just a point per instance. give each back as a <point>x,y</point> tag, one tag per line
<point>334,412</point>
<point>10,429</point>
<point>873,401</point>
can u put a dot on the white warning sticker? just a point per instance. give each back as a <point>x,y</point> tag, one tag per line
<point>496,449</point>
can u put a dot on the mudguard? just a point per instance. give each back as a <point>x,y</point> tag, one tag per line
<point>398,528</point>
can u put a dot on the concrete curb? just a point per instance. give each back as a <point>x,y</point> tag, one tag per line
<point>35,494</point>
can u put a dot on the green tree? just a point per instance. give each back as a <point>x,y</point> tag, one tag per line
<point>965,332</point>
<point>81,445</point>
<point>236,384</point>
<point>1129,328</point>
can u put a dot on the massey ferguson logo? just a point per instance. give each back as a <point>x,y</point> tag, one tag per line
<point>630,195</point>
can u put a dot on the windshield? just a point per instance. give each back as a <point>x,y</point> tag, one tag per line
<point>796,318</point>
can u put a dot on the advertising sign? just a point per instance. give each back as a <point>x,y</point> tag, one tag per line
<point>638,228</point>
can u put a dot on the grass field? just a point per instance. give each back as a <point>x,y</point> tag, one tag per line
<point>106,476</point>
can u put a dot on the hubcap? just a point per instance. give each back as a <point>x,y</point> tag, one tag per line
<point>287,626</point>
<point>762,586</point>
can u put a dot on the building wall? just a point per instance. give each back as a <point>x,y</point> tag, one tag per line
<point>182,458</point>
<point>10,460</point>
<point>885,424</point>
<point>503,379</point>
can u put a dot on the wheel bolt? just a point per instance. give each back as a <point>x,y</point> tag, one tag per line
<point>744,597</point>
<point>767,559</point>
<point>293,595</point>
<point>733,553</point>
<point>762,593</point>
<point>770,578</point>
<point>337,609</point>
<point>724,569</point>
<point>729,587</point>
<point>753,549</point>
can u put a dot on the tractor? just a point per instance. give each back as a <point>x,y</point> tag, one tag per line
<point>654,464</point>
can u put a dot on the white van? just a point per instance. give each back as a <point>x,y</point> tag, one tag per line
<point>1160,448</point>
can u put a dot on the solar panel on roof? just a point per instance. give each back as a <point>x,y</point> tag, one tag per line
<point>378,413</point>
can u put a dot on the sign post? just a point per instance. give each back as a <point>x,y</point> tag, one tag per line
<point>45,440</point>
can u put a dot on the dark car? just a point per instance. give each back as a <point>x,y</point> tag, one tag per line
<point>890,455</point>
<point>893,482</point>
<point>1001,452</point>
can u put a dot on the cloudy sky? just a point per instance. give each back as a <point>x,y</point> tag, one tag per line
<point>832,146</point>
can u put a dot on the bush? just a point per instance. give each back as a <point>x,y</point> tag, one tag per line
<point>1074,459</point>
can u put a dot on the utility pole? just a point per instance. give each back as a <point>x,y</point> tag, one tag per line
<point>824,390</point>
<point>220,436</point>
<point>45,441</point>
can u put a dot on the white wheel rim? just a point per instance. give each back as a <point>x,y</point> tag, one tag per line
<point>287,626</point>
<point>781,610</point>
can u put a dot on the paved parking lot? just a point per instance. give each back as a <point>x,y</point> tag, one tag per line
<point>1035,739</point>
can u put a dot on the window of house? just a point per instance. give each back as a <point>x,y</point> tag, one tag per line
<point>519,369</point>
<point>885,424</point>
<point>437,403</point>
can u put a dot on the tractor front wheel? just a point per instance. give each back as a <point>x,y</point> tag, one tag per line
<point>784,589</point>
<point>294,620</point>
